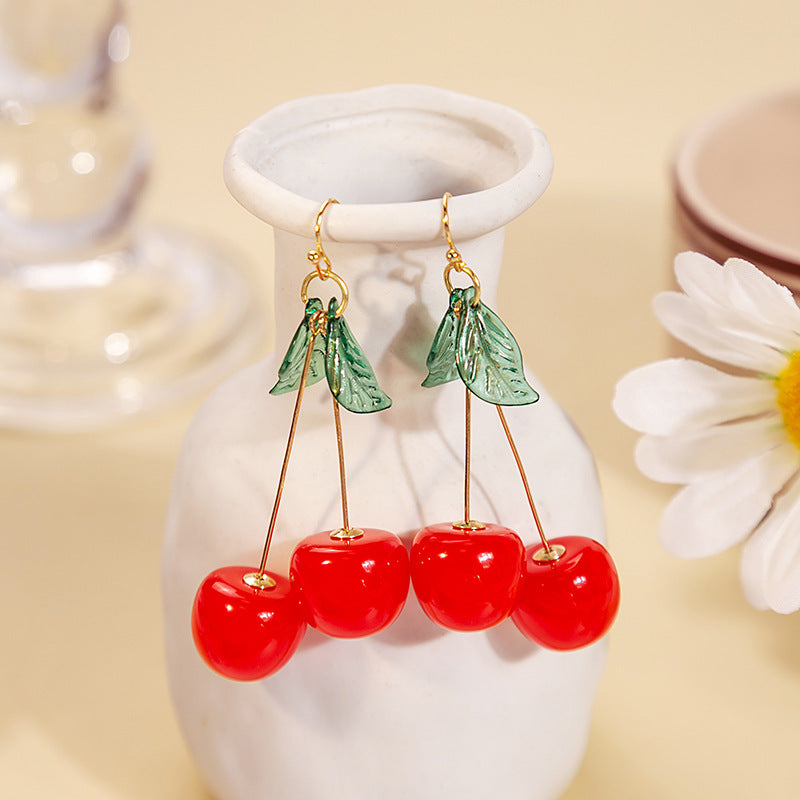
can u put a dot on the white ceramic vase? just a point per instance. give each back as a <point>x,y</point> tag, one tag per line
<point>416,711</point>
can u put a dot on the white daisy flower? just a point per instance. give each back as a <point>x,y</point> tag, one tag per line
<point>733,440</point>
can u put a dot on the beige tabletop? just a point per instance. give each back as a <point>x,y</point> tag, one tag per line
<point>701,695</point>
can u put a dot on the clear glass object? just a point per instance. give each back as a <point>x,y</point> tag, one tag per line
<point>98,319</point>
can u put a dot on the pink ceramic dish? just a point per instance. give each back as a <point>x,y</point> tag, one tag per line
<point>736,179</point>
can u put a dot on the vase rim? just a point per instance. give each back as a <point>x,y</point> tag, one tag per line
<point>472,213</point>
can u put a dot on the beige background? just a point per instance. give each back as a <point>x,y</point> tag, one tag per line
<point>701,697</point>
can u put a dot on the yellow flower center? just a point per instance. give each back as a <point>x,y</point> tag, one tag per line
<point>788,383</point>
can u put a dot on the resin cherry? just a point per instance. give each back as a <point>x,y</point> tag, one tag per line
<point>569,602</point>
<point>242,632</point>
<point>467,580</point>
<point>351,585</point>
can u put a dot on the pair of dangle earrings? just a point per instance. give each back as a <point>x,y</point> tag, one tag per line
<point>352,582</point>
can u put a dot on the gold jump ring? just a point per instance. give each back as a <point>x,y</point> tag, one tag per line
<point>470,274</point>
<point>337,279</point>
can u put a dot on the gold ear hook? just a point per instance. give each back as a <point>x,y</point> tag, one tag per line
<point>454,259</point>
<point>452,254</point>
<point>318,253</point>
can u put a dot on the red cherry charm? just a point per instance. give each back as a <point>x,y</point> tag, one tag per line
<point>243,632</point>
<point>467,580</point>
<point>352,585</point>
<point>569,602</point>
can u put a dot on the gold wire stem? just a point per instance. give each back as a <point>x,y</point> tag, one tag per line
<point>549,551</point>
<point>337,418</point>
<point>467,453</point>
<point>315,325</point>
<point>345,532</point>
<point>468,524</point>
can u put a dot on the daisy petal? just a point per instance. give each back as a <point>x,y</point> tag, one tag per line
<point>735,301</point>
<point>679,394</point>
<point>715,513</point>
<point>687,457</point>
<point>686,320</point>
<point>769,300</point>
<point>782,584</point>
<point>758,552</point>
<point>700,277</point>
<point>753,328</point>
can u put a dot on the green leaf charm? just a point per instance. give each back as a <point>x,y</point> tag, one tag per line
<point>488,357</point>
<point>441,361</point>
<point>473,343</point>
<point>291,368</point>
<point>350,377</point>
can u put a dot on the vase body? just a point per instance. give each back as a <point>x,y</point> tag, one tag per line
<point>415,711</point>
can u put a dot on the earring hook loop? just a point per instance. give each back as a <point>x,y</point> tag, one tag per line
<point>318,254</point>
<point>446,225</point>
<point>454,259</point>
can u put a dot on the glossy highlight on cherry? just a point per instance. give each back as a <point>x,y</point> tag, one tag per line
<point>572,601</point>
<point>244,633</point>
<point>467,580</point>
<point>351,587</point>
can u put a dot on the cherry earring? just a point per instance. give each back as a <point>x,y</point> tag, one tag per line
<point>570,592</point>
<point>347,582</point>
<point>470,575</point>
<point>467,574</point>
